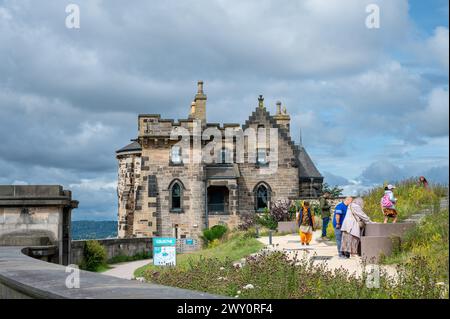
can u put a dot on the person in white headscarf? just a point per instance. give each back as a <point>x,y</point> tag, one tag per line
<point>352,226</point>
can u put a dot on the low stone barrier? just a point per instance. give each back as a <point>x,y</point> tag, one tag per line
<point>382,239</point>
<point>287,227</point>
<point>114,247</point>
<point>23,277</point>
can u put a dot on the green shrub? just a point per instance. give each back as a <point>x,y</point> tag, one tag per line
<point>274,275</point>
<point>94,256</point>
<point>215,232</point>
<point>411,198</point>
<point>429,241</point>
<point>267,220</point>
<point>124,258</point>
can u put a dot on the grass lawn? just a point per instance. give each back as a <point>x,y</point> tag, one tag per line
<point>236,247</point>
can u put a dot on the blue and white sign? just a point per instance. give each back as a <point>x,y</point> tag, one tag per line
<point>164,251</point>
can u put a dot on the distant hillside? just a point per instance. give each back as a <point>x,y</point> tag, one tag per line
<point>87,229</point>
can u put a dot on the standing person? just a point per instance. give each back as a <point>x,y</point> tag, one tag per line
<point>339,216</point>
<point>388,202</point>
<point>352,226</point>
<point>305,220</point>
<point>325,210</point>
<point>423,182</point>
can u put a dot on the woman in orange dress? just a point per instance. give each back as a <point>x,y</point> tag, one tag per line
<point>305,221</point>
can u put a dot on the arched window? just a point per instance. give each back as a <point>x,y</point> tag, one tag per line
<point>176,193</point>
<point>262,197</point>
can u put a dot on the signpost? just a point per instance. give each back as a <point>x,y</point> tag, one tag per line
<point>164,251</point>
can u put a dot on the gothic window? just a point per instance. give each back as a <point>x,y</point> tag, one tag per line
<point>262,197</point>
<point>176,196</point>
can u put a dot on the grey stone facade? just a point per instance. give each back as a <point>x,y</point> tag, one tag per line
<point>38,216</point>
<point>162,197</point>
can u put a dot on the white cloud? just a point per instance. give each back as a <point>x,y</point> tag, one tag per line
<point>95,184</point>
<point>433,120</point>
<point>438,46</point>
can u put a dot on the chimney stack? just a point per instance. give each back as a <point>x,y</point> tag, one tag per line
<point>198,107</point>
<point>281,117</point>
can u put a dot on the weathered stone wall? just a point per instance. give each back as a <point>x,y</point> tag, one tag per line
<point>25,277</point>
<point>156,163</point>
<point>114,247</point>
<point>128,175</point>
<point>283,184</point>
<point>38,222</point>
<point>36,215</point>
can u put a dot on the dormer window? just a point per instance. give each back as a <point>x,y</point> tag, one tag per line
<point>175,155</point>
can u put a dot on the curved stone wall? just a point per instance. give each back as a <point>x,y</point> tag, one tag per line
<point>24,277</point>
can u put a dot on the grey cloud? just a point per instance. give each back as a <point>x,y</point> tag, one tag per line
<point>332,179</point>
<point>382,171</point>
<point>437,174</point>
<point>69,98</point>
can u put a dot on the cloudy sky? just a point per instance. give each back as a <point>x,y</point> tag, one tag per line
<point>372,104</point>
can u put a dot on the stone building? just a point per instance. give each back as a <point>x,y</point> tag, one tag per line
<point>164,191</point>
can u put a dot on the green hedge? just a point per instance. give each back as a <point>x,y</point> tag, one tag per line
<point>215,232</point>
<point>94,256</point>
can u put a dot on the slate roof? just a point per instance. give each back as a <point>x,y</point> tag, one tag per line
<point>132,147</point>
<point>306,165</point>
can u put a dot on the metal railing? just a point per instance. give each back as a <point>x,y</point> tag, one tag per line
<point>217,209</point>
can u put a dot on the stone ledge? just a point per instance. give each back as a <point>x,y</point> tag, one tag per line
<point>24,277</point>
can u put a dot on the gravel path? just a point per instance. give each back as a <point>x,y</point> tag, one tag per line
<point>319,251</point>
<point>126,270</point>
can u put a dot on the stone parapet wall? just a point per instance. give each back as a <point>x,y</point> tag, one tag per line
<point>23,277</point>
<point>114,247</point>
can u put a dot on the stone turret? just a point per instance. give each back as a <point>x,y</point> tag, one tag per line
<point>281,117</point>
<point>198,106</point>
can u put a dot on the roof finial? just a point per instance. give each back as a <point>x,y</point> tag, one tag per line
<point>261,101</point>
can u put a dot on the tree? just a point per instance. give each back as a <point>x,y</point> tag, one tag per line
<point>335,191</point>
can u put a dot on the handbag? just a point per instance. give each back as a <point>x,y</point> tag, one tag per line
<point>361,223</point>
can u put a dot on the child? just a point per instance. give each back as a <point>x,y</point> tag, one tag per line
<point>305,220</point>
<point>388,202</point>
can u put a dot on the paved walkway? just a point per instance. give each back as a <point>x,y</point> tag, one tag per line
<point>126,270</point>
<point>319,251</point>
<point>326,251</point>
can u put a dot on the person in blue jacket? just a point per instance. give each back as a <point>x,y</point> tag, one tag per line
<point>338,218</point>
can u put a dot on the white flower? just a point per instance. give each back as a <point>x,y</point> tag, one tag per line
<point>249,286</point>
<point>238,292</point>
<point>236,296</point>
<point>221,268</point>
